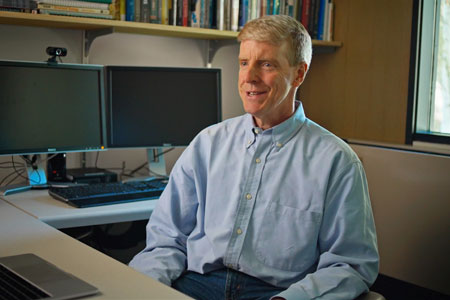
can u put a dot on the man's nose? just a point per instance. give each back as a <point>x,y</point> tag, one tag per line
<point>252,74</point>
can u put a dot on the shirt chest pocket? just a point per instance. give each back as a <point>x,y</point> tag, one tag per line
<point>287,239</point>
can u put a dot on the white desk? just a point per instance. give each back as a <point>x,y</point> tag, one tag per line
<point>22,233</point>
<point>58,214</point>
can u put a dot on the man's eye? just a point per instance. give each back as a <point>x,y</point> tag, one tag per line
<point>267,65</point>
<point>243,63</point>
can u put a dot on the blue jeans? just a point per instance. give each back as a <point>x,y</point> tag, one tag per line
<point>224,284</point>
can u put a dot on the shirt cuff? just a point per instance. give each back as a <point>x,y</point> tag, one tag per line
<point>293,294</point>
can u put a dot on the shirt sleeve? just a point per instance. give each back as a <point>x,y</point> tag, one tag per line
<point>164,257</point>
<point>348,264</point>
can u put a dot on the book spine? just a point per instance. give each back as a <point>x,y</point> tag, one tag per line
<point>145,11</point>
<point>290,8</point>
<point>235,15</point>
<point>153,17</point>
<point>326,20</point>
<point>242,13</point>
<point>137,10</point>
<point>123,10</point>
<point>165,12</point>
<point>129,13</point>
<point>298,10</point>
<point>220,14</point>
<point>315,19</point>
<point>74,14</point>
<point>185,12</point>
<point>321,19</point>
<point>305,13</point>
<point>330,21</point>
<point>76,3</point>
<point>195,13</point>
<point>276,7</point>
<point>74,9</point>
<point>99,1</point>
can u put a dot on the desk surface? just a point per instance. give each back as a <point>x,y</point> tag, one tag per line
<point>22,233</point>
<point>58,214</point>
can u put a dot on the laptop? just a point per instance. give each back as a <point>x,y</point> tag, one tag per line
<point>27,276</point>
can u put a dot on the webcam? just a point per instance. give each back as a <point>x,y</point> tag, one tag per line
<point>56,51</point>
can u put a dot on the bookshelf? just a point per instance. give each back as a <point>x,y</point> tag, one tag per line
<point>96,27</point>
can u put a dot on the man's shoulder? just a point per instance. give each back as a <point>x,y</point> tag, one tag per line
<point>324,142</point>
<point>225,127</point>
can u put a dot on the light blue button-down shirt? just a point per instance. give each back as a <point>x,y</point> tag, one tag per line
<point>288,205</point>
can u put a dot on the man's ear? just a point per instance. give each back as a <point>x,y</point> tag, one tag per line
<point>301,71</point>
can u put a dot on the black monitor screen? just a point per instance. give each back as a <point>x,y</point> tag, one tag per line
<point>160,106</point>
<point>50,107</point>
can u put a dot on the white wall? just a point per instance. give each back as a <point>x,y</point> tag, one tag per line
<point>410,194</point>
<point>29,43</point>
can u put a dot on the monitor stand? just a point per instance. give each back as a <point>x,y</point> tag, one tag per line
<point>36,178</point>
<point>156,162</point>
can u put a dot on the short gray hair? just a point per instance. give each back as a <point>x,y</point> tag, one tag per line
<point>276,29</point>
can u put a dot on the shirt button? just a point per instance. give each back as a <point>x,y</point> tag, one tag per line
<point>257,160</point>
<point>256,130</point>
<point>239,231</point>
<point>248,196</point>
<point>250,142</point>
<point>279,145</point>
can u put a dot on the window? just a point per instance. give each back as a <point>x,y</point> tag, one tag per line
<point>432,73</point>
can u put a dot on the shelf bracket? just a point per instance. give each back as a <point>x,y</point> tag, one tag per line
<point>320,49</point>
<point>213,46</point>
<point>91,35</point>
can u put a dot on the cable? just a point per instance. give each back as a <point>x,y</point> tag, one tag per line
<point>12,180</point>
<point>28,178</point>
<point>6,177</point>
<point>146,163</point>
<point>96,158</point>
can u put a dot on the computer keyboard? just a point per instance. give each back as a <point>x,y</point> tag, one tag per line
<point>12,286</point>
<point>108,193</point>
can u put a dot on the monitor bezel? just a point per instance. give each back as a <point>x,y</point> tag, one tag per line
<point>103,133</point>
<point>111,68</point>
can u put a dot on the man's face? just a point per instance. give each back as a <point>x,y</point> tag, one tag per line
<point>267,83</point>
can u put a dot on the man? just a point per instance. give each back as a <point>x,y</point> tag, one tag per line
<point>268,204</point>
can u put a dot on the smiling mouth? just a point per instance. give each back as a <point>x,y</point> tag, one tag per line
<point>254,93</point>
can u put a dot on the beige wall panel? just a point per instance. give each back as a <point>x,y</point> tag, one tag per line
<point>410,198</point>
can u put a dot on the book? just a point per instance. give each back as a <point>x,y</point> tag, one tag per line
<point>145,11</point>
<point>234,15</point>
<point>330,27</point>
<point>196,11</point>
<point>74,14</point>
<point>122,9</point>
<point>137,10</point>
<point>221,14</point>
<point>100,1</point>
<point>290,5</point>
<point>154,11</point>
<point>73,8</point>
<point>185,13</point>
<point>165,12</point>
<point>129,10</point>
<point>76,3</point>
<point>321,19</point>
<point>305,14</point>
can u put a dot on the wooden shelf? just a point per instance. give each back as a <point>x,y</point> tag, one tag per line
<point>25,19</point>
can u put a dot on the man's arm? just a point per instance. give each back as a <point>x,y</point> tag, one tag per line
<point>164,257</point>
<point>348,263</point>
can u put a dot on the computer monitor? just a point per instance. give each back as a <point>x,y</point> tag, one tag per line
<point>154,107</point>
<point>51,108</point>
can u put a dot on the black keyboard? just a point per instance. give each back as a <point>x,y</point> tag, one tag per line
<point>108,193</point>
<point>13,286</point>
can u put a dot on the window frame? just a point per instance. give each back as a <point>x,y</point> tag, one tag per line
<point>423,62</point>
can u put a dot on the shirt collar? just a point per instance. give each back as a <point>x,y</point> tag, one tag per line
<point>281,133</point>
